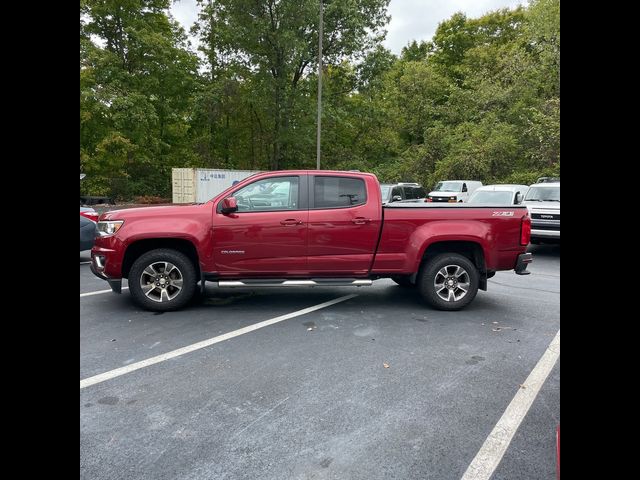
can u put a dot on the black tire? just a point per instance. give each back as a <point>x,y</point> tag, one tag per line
<point>403,281</point>
<point>534,241</point>
<point>156,300</point>
<point>431,272</point>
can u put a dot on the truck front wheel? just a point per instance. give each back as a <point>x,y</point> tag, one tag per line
<point>162,280</point>
<point>448,281</point>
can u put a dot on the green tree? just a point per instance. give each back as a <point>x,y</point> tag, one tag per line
<point>275,43</point>
<point>480,100</point>
<point>136,80</point>
<point>415,52</point>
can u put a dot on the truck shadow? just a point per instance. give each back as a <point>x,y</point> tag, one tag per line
<point>375,297</point>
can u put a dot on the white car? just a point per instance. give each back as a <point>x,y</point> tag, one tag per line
<point>506,194</point>
<point>543,202</point>
<point>453,191</point>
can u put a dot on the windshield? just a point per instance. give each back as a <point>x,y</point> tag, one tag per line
<point>448,187</point>
<point>385,191</point>
<point>543,194</point>
<point>485,196</point>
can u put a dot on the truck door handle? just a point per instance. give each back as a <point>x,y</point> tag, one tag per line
<point>360,220</point>
<point>291,222</point>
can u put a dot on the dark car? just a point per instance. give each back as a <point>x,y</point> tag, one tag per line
<point>396,192</point>
<point>88,219</point>
<point>88,222</point>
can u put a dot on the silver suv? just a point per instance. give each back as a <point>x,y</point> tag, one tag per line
<point>543,203</point>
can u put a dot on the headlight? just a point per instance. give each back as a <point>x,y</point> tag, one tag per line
<point>452,198</point>
<point>109,227</point>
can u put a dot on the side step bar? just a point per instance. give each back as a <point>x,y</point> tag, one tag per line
<point>318,282</point>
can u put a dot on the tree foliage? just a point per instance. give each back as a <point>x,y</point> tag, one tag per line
<point>480,100</point>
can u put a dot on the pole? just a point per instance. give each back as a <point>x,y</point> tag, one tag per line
<point>319,89</point>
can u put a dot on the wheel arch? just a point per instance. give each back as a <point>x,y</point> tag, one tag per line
<point>472,250</point>
<point>140,247</point>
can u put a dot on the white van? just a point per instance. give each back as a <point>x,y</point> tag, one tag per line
<point>452,191</point>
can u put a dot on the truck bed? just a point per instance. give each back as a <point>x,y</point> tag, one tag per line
<point>409,228</point>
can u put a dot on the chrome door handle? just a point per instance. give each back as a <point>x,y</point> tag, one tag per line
<point>360,220</point>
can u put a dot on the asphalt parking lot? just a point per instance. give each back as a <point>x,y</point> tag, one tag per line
<point>376,386</point>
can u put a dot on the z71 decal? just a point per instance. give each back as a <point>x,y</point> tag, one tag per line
<point>502,214</point>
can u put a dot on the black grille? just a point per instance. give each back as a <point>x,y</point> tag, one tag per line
<point>439,199</point>
<point>545,216</point>
<point>545,227</point>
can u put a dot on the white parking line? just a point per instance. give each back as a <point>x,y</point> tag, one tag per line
<point>87,382</point>
<point>98,292</point>
<point>493,448</point>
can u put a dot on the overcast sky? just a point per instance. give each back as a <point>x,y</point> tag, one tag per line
<point>410,19</point>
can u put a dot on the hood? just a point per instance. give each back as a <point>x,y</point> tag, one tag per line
<point>152,212</point>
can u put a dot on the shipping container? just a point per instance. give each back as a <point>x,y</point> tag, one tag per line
<point>182,185</point>
<point>202,184</point>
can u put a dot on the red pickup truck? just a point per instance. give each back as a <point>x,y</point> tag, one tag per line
<point>313,228</point>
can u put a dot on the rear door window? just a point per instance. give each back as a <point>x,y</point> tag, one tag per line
<point>338,192</point>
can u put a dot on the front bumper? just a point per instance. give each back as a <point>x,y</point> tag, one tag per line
<point>524,259</point>
<point>555,234</point>
<point>106,261</point>
<point>115,284</point>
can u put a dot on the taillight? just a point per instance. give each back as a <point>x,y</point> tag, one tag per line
<point>525,230</point>
<point>93,216</point>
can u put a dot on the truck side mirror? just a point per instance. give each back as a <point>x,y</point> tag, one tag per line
<point>518,198</point>
<point>229,205</point>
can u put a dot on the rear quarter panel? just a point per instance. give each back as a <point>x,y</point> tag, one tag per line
<point>408,231</point>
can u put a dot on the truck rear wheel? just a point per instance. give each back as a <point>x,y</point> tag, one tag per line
<point>162,280</point>
<point>448,281</point>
